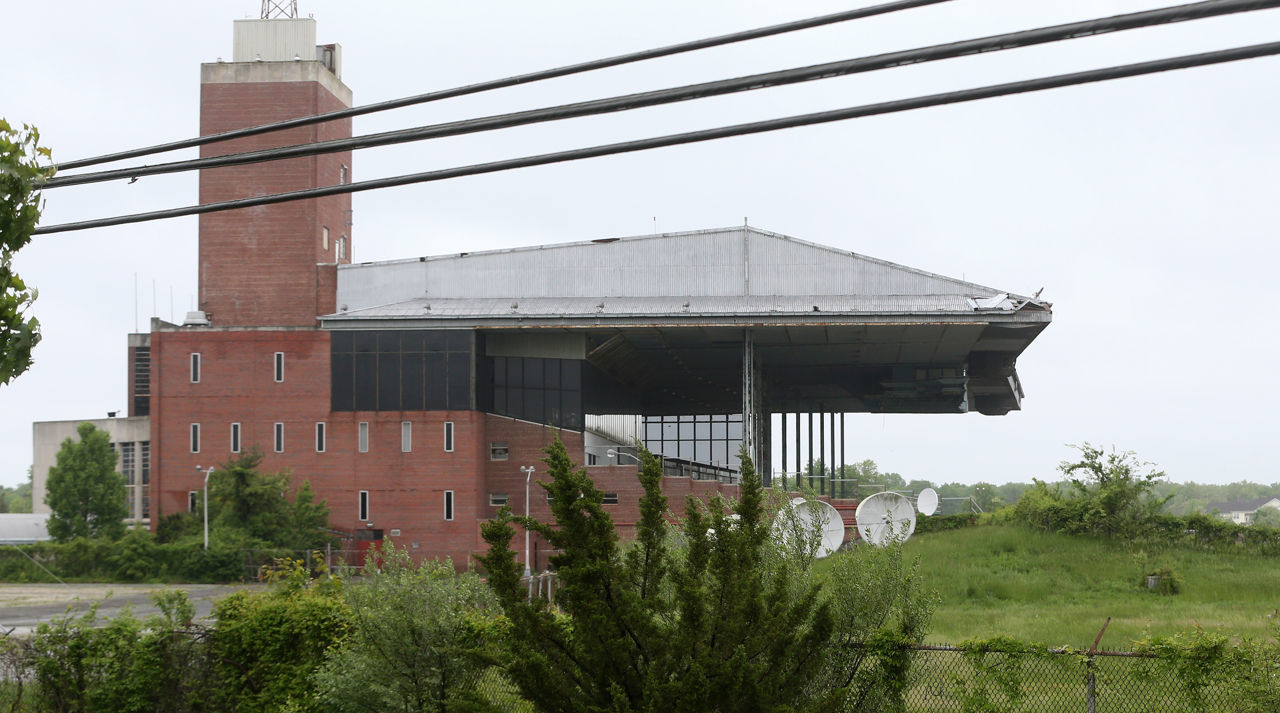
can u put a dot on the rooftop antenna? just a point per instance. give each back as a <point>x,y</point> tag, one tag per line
<point>272,9</point>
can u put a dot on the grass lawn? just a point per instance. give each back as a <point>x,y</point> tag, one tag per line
<point>1058,589</point>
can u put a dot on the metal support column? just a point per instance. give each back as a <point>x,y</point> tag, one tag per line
<point>810,451</point>
<point>822,451</point>
<point>798,450</point>
<point>784,451</point>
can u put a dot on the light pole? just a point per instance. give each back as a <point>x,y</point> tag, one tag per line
<point>207,473</point>
<point>528,475</point>
<point>614,454</point>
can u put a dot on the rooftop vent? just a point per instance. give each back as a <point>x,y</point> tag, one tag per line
<point>196,319</point>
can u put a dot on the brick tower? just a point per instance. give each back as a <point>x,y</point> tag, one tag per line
<point>273,266</point>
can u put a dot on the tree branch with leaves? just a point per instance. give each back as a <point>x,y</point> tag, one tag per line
<point>24,168</point>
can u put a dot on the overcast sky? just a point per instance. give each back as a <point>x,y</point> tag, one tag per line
<point>1146,208</point>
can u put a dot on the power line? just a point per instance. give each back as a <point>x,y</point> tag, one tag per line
<point>993,43</point>
<point>756,127</point>
<point>860,13</point>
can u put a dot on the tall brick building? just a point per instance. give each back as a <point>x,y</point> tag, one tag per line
<point>410,393</point>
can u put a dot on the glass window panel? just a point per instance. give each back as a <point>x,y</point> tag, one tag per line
<point>571,374</point>
<point>459,395</point>
<point>341,391</point>
<point>366,382</point>
<point>366,342</point>
<point>686,431</point>
<point>411,341</point>
<point>669,432</point>
<point>653,431</point>
<point>389,342</point>
<point>702,451</point>
<point>719,431</point>
<point>433,340</point>
<point>389,382</point>
<point>458,340</point>
<point>735,431</point>
<point>515,372</point>
<point>341,342</point>
<point>702,431</point>
<point>719,452</point>
<point>551,376</point>
<point>515,401</point>
<point>534,406</point>
<point>533,373</point>
<point>499,371</point>
<point>412,384</point>
<point>435,378</point>
<point>685,450</point>
<point>686,419</point>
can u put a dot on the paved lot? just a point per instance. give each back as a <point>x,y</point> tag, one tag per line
<point>23,606</point>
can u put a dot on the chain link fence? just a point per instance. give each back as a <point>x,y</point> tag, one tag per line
<point>948,679</point>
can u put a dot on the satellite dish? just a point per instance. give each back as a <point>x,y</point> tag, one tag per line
<point>927,502</point>
<point>885,517</point>
<point>806,516</point>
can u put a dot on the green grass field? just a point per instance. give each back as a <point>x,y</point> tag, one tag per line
<point>1058,589</point>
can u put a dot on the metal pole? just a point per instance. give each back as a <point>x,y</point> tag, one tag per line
<point>528,475</point>
<point>842,493</point>
<point>822,450</point>
<point>784,451</point>
<point>207,473</point>
<point>797,450</point>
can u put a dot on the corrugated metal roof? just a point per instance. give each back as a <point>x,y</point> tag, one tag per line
<point>24,528</point>
<point>746,268</point>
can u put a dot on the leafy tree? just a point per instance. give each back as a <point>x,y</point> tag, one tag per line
<point>1267,517</point>
<point>85,494</point>
<point>1116,486</point>
<point>718,617</point>
<point>420,636</point>
<point>267,644</point>
<point>21,177</point>
<point>246,504</point>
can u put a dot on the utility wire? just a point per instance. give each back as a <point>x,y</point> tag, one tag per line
<point>993,43</point>
<point>756,127</point>
<point>492,84</point>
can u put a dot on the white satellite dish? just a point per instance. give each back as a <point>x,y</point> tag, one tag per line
<point>805,516</point>
<point>927,501</point>
<point>885,517</point>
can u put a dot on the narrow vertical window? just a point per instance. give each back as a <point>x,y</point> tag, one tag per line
<point>364,505</point>
<point>406,436</point>
<point>362,437</point>
<point>342,248</point>
<point>448,504</point>
<point>235,438</point>
<point>191,500</point>
<point>279,366</point>
<point>319,438</point>
<point>195,367</point>
<point>342,174</point>
<point>195,438</point>
<point>448,436</point>
<point>279,437</point>
<point>324,238</point>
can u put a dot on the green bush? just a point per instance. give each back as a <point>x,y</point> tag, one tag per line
<point>1167,582</point>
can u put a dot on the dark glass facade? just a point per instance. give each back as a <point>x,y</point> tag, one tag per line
<point>713,439</point>
<point>402,370</point>
<point>537,389</point>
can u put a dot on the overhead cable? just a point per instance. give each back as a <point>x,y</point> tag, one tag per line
<point>756,127</point>
<point>844,16</point>
<point>993,43</point>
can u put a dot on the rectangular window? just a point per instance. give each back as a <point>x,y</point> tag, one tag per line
<point>498,450</point>
<point>192,499</point>
<point>319,438</point>
<point>342,174</point>
<point>279,366</point>
<point>364,505</point>
<point>324,238</point>
<point>195,438</point>
<point>278,432</point>
<point>610,499</point>
<point>448,436</point>
<point>195,367</point>
<point>235,438</point>
<point>406,436</point>
<point>342,248</point>
<point>362,437</point>
<point>497,500</point>
<point>448,504</point>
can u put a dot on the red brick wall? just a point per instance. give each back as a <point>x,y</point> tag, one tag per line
<point>258,265</point>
